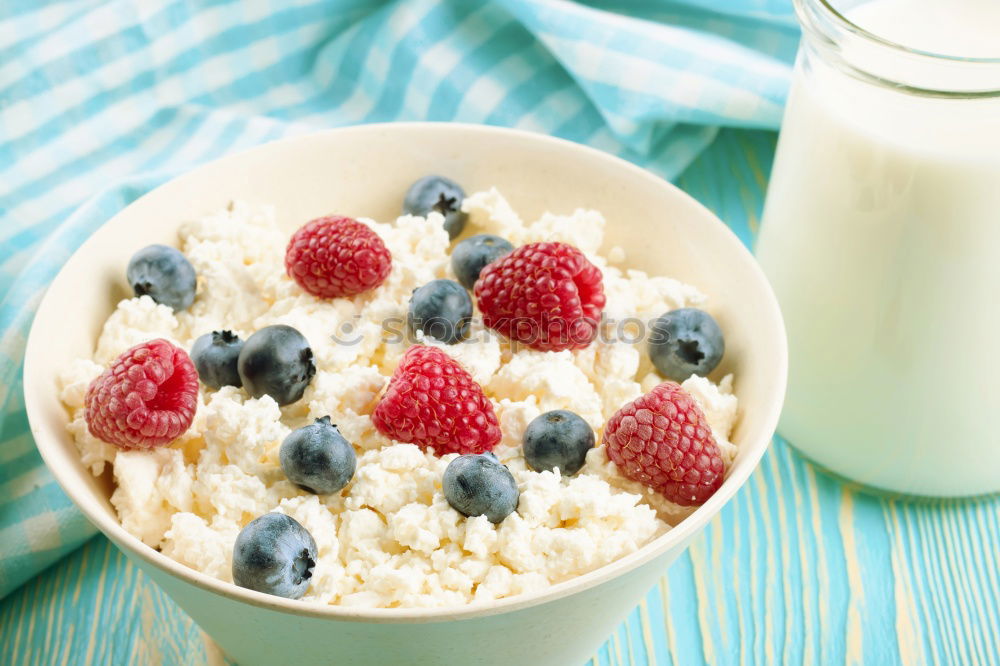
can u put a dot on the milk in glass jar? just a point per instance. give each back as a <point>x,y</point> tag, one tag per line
<point>881,237</point>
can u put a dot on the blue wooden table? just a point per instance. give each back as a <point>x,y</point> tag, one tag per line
<point>798,568</point>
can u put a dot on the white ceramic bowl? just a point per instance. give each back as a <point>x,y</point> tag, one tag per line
<point>363,171</point>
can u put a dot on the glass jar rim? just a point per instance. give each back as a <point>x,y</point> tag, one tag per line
<point>848,25</point>
<point>888,64</point>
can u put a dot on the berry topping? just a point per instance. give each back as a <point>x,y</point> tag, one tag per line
<point>437,194</point>
<point>274,554</point>
<point>146,398</point>
<point>685,342</point>
<point>215,355</point>
<point>276,361</point>
<point>164,274</point>
<point>441,309</point>
<point>473,254</point>
<point>662,440</point>
<point>479,485</point>
<point>544,295</point>
<point>336,256</point>
<point>560,439</point>
<point>317,458</point>
<point>431,401</point>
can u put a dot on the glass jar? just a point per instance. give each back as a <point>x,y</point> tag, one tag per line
<point>881,237</point>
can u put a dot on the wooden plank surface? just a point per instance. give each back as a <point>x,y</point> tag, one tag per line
<point>798,568</point>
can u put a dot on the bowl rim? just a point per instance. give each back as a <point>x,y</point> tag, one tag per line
<point>673,538</point>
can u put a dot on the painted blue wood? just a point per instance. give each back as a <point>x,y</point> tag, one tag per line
<point>799,568</point>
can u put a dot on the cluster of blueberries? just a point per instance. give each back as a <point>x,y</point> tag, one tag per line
<point>681,343</point>
<point>276,554</point>
<point>442,309</point>
<point>275,361</point>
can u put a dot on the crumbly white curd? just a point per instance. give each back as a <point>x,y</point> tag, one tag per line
<point>389,539</point>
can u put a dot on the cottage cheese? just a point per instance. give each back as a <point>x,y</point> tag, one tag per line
<point>390,539</point>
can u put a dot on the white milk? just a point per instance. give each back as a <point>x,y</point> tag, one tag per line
<point>966,28</point>
<point>881,237</point>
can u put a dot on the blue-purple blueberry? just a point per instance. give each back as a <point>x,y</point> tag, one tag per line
<point>215,356</point>
<point>442,309</point>
<point>164,274</point>
<point>473,254</point>
<point>479,485</point>
<point>685,342</point>
<point>276,555</point>
<point>438,194</point>
<point>317,458</point>
<point>560,439</point>
<point>276,361</point>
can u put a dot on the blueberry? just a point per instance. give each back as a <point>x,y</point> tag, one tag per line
<point>276,361</point>
<point>215,355</point>
<point>276,555</point>
<point>685,342</point>
<point>560,439</point>
<point>435,193</point>
<point>164,274</point>
<point>478,485</point>
<point>317,458</point>
<point>470,256</point>
<point>441,309</point>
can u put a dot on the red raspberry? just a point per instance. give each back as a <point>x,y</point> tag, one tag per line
<point>146,398</point>
<point>545,295</point>
<point>662,440</point>
<point>336,256</point>
<point>431,401</point>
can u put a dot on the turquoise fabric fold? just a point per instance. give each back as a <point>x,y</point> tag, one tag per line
<point>101,101</point>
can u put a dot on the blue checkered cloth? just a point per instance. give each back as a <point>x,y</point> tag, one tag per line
<point>100,101</point>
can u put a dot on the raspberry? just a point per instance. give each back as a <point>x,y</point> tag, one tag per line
<point>336,256</point>
<point>431,401</point>
<point>662,440</point>
<point>146,398</point>
<point>544,295</point>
